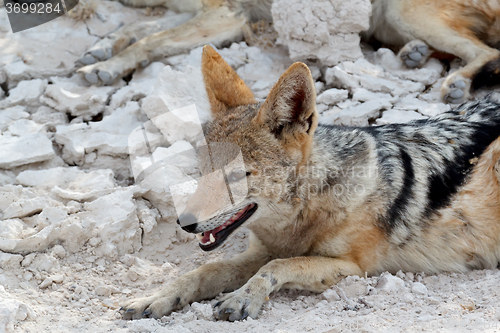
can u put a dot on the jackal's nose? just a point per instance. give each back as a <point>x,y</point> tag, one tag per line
<point>187,222</point>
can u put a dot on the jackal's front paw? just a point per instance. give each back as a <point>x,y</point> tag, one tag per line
<point>99,73</point>
<point>240,304</point>
<point>455,89</point>
<point>414,54</point>
<point>155,306</point>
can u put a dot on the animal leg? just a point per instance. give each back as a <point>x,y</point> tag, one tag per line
<point>456,86</point>
<point>213,25</point>
<point>310,273</point>
<point>207,281</point>
<point>431,23</point>
<point>117,41</point>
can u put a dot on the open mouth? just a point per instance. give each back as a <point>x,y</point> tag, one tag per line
<point>212,239</point>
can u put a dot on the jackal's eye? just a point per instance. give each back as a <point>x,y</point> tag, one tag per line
<point>236,175</point>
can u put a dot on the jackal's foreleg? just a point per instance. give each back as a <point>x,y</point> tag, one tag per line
<point>127,35</point>
<point>310,273</point>
<point>211,26</point>
<point>205,282</point>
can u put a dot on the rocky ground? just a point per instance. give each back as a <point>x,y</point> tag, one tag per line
<point>83,227</point>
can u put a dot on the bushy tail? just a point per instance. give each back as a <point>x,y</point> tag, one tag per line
<point>488,75</point>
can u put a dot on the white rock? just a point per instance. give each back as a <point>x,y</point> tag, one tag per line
<point>338,77</point>
<point>127,259</point>
<point>110,15</point>
<point>30,239</point>
<point>322,108</point>
<point>261,71</point>
<point>423,107</point>
<point>237,55</point>
<point>419,288</point>
<point>175,90</point>
<point>147,216</point>
<point>157,183</point>
<point>12,311</point>
<point>11,193</point>
<point>103,290</point>
<point>360,114</point>
<point>151,325</point>
<point>9,115</point>
<point>45,283</point>
<point>75,96</point>
<point>433,95</point>
<point>428,74</point>
<point>320,86</point>
<point>24,126</point>
<point>258,68</point>
<point>390,284</point>
<point>363,95</point>
<point>387,59</point>
<point>181,154</point>
<point>330,116</point>
<point>7,177</point>
<point>46,115</point>
<point>44,263</point>
<point>114,219</point>
<point>73,234</point>
<point>68,178</point>
<point>108,137</point>
<point>331,295</point>
<point>433,109</point>
<point>59,251</point>
<point>202,311</point>
<point>323,30</point>
<point>141,85</point>
<point>24,150</point>
<point>25,207</point>
<point>11,228</point>
<point>49,49</point>
<point>52,48</point>
<point>8,260</point>
<point>182,124</point>
<point>315,72</point>
<point>28,259</point>
<point>56,278</point>
<point>332,96</point>
<point>398,116</point>
<point>353,75</point>
<point>26,93</point>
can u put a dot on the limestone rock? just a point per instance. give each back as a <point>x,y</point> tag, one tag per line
<point>324,30</point>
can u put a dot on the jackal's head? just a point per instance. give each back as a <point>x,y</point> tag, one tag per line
<point>257,148</point>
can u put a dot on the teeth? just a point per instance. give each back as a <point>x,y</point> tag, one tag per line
<point>212,238</point>
<point>199,236</point>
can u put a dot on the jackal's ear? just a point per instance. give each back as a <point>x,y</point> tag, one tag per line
<point>224,87</point>
<point>290,108</point>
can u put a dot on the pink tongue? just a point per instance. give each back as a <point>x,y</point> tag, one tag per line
<point>206,234</point>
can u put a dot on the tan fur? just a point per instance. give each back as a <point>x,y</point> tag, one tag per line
<point>310,241</point>
<point>279,99</point>
<point>469,29</point>
<point>459,27</point>
<point>224,87</point>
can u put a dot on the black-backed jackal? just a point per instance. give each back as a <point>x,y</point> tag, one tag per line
<point>325,202</point>
<point>469,29</point>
